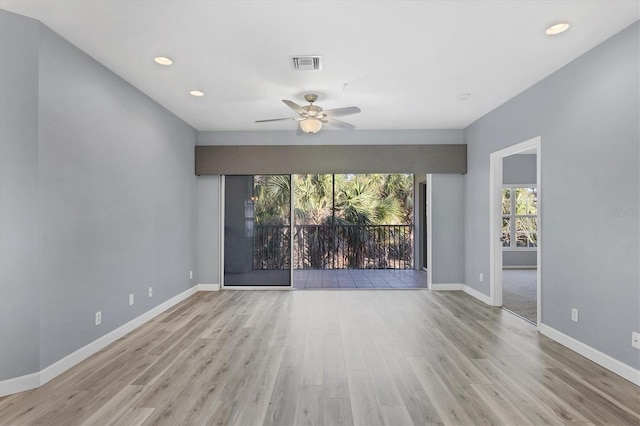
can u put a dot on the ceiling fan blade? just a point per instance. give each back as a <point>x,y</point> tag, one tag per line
<point>276,119</point>
<point>294,106</point>
<point>338,112</point>
<point>338,124</point>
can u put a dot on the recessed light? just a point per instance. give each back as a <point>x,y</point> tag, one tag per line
<point>464,96</point>
<point>557,28</point>
<point>163,60</point>
<point>196,93</point>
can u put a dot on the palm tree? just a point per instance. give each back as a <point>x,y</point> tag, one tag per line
<point>340,225</point>
<point>400,188</point>
<point>272,198</point>
<point>271,205</point>
<point>371,200</point>
<point>313,207</point>
<point>356,200</point>
<point>313,195</point>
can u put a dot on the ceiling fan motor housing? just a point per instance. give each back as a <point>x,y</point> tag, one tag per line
<point>311,97</point>
<point>312,110</point>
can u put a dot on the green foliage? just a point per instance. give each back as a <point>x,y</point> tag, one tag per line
<point>271,199</point>
<point>336,212</point>
<point>522,220</point>
<point>366,199</point>
<point>313,198</point>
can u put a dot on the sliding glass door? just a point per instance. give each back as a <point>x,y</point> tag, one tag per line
<point>257,230</point>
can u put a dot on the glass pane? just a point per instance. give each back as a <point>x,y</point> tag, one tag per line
<point>506,232</point>
<point>506,201</point>
<point>533,203</point>
<point>521,239</point>
<point>526,232</point>
<point>526,201</point>
<point>256,232</point>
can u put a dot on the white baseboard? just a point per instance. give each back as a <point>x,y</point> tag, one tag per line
<point>447,287</point>
<point>208,287</point>
<point>19,384</point>
<point>462,287</point>
<point>478,295</point>
<point>620,368</point>
<point>262,287</point>
<point>34,380</point>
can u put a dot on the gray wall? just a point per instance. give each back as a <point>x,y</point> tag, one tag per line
<point>519,169</point>
<point>587,117</point>
<point>115,194</point>
<point>519,259</point>
<point>209,229</point>
<point>19,228</point>
<point>447,230</point>
<point>331,137</point>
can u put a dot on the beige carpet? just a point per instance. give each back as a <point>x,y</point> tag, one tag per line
<point>519,292</point>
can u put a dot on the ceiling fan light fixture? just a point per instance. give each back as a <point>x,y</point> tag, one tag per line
<point>311,125</point>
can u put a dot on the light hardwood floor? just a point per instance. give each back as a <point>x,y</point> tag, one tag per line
<point>331,357</point>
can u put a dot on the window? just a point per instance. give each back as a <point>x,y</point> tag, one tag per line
<point>519,218</point>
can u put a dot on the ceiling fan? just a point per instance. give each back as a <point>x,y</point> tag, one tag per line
<point>312,117</point>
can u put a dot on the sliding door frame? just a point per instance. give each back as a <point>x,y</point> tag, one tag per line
<point>223,236</point>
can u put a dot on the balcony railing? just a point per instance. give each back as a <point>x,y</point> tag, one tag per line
<point>334,247</point>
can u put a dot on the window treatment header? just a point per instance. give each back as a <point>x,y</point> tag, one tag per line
<point>296,159</point>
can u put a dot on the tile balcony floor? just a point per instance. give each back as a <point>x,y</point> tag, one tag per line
<point>359,278</point>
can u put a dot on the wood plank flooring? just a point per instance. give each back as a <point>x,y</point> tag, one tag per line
<point>327,357</point>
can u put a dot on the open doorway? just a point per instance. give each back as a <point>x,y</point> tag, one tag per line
<point>519,236</point>
<point>354,231</point>
<point>515,229</point>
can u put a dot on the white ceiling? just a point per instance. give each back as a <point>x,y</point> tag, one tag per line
<point>404,63</point>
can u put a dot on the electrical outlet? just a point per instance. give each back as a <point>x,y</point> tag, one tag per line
<point>98,317</point>
<point>190,275</point>
<point>150,291</point>
<point>481,277</point>
<point>635,339</point>
<point>130,299</point>
<point>574,314</point>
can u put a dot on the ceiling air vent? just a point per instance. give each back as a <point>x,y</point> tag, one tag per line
<point>306,63</point>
